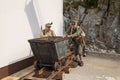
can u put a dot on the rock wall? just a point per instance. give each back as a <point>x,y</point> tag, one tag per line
<point>101,25</point>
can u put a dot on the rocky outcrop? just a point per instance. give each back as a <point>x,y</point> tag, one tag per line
<point>102,31</point>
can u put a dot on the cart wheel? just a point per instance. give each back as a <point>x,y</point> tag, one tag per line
<point>37,65</point>
<point>56,66</point>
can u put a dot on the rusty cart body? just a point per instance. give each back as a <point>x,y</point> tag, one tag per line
<point>49,50</point>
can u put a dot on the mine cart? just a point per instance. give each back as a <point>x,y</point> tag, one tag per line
<point>48,50</point>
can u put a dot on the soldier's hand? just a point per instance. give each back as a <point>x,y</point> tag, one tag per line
<point>64,36</point>
<point>69,36</point>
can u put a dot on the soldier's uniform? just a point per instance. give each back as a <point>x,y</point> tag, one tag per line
<point>76,34</point>
<point>47,33</point>
<point>77,41</point>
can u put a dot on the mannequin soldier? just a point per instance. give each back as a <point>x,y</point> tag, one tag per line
<point>76,33</point>
<point>47,32</point>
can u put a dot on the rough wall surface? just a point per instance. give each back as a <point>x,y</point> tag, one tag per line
<point>101,25</point>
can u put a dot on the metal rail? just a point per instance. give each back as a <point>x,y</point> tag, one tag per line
<point>53,73</point>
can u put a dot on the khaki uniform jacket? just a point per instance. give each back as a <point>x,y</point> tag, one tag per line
<point>47,34</point>
<point>76,33</point>
<point>77,39</point>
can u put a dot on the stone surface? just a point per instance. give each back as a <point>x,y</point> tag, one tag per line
<point>96,68</point>
<point>102,30</point>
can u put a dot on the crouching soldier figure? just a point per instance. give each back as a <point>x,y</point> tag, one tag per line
<point>76,33</point>
<point>47,32</point>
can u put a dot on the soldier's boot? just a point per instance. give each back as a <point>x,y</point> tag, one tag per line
<point>79,60</point>
<point>84,52</point>
<point>81,63</point>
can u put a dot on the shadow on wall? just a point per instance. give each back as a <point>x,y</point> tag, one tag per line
<point>32,18</point>
<point>34,25</point>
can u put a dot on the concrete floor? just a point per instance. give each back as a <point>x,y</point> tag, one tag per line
<point>94,68</point>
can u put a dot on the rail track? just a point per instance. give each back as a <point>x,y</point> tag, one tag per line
<point>47,73</point>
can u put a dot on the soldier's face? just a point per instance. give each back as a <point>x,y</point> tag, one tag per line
<point>47,28</point>
<point>75,25</point>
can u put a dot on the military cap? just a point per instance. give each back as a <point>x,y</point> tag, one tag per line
<point>48,24</point>
<point>74,22</point>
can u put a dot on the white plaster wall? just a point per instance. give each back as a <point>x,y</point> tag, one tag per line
<point>18,23</point>
<point>14,32</point>
<point>50,11</point>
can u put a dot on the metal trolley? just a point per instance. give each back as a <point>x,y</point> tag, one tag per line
<point>49,51</point>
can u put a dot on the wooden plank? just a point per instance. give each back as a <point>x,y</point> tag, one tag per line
<point>54,73</point>
<point>50,74</point>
